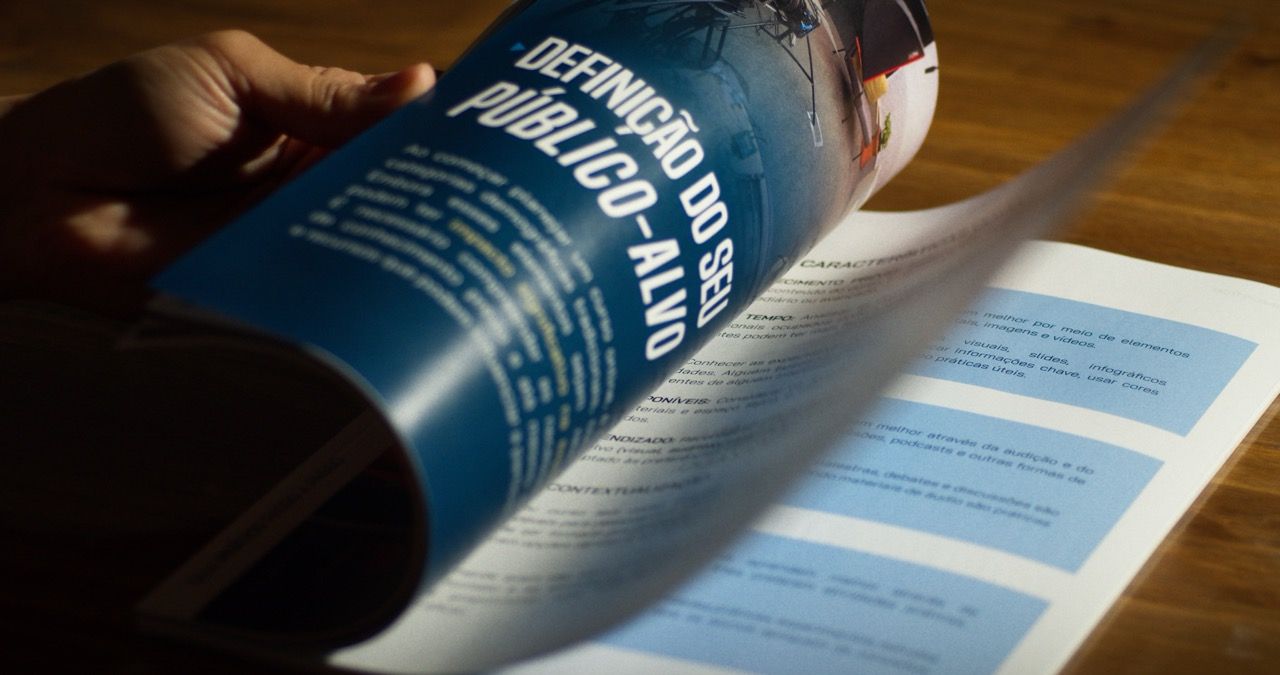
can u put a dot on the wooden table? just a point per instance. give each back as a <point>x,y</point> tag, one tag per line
<point>1020,79</point>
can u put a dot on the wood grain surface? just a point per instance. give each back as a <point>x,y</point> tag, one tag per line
<point>1020,78</point>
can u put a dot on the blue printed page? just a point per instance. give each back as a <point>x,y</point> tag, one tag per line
<point>1164,373</point>
<point>787,606</point>
<point>986,514</point>
<point>1037,493</point>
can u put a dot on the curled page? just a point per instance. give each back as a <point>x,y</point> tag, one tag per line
<point>507,265</point>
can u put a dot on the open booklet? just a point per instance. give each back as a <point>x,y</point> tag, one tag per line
<point>510,269</point>
<point>981,517</point>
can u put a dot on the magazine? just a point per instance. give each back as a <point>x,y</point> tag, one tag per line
<point>512,266</point>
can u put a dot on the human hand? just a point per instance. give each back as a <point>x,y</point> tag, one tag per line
<point>106,177</point>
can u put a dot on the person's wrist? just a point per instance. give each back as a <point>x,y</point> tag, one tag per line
<point>7,104</point>
<point>12,156</point>
<point>12,186</point>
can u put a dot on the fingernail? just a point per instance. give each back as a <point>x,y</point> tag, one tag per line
<point>401,85</point>
<point>380,83</point>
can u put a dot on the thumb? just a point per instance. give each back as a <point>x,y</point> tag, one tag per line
<point>320,106</point>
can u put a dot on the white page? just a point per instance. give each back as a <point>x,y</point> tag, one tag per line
<point>871,567</point>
